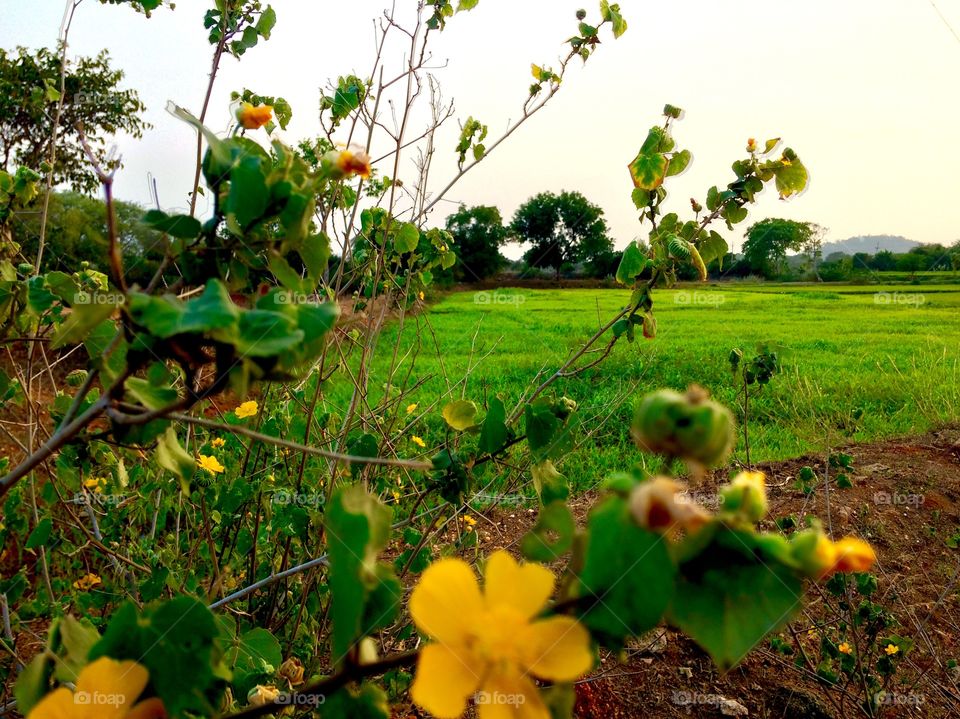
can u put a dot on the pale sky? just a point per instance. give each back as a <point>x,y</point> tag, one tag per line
<point>864,90</point>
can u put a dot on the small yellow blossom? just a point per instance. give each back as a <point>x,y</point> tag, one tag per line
<point>210,464</point>
<point>492,640</point>
<point>292,671</point>
<point>417,441</point>
<point>95,484</point>
<point>420,294</point>
<point>891,649</point>
<point>106,689</point>
<point>217,442</point>
<point>411,408</point>
<point>469,521</point>
<point>853,555</point>
<point>785,161</point>
<point>247,409</point>
<point>253,118</point>
<point>845,648</point>
<point>354,162</point>
<point>87,582</point>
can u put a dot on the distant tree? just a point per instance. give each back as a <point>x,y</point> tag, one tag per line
<point>911,262</point>
<point>561,229</point>
<point>812,249</point>
<point>29,92</point>
<point>77,232</point>
<point>478,233</point>
<point>884,261</point>
<point>767,243</point>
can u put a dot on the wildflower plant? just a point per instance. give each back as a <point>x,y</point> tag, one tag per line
<point>246,573</point>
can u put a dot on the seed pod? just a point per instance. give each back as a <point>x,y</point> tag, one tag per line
<point>746,496</point>
<point>689,426</point>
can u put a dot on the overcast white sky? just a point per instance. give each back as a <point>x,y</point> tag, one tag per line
<point>864,90</point>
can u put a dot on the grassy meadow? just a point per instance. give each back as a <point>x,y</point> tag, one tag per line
<point>892,352</point>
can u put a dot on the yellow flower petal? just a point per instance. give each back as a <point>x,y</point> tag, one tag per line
<point>150,709</point>
<point>247,409</point>
<point>891,649</point>
<point>446,601</point>
<point>525,588</point>
<point>558,649</point>
<point>59,704</point>
<point>119,682</point>
<point>445,680</point>
<point>853,555</point>
<point>508,696</point>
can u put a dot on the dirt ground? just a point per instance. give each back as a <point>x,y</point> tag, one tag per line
<point>905,500</point>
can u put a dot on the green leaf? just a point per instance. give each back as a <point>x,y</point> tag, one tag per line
<point>728,599</point>
<point>172,457</point>
<point>267,21</point>
<point>493,433</point>
<point>632,264</point>
<point>78,637</point>
<point>31,685</point>
<point>649,167</point>
<point>713,247</point>
<point>149,394</point>
<point>679,162</point>
<point>366,702</point>
<point>407,238</point>
<point>254,656</point>
<point>182,227</point>
<point>460,414</point>
<point>174,641</point>
<point>357,527</point>
<point>84,316</point>
<point>552,536</point>
<point>40,534</point>
<point>611,13</point>
<point>363,446</point>
<point>248,197</point>
<point>627,570</point>
<point>791,179</point>
<point>466,5</point>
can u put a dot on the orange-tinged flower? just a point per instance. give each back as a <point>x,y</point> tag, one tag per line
<point>87,582</point>
<point>752,145</point>
<point>254,117</point>
<point>490,640</point>
<point>853,555</point>
<point>210,464</point>
<point>247,409</point>
<point>891,649</point>
<point>354,162</point>
<point>217,442</point>
<point>106,689</point>
<point>845,648</point>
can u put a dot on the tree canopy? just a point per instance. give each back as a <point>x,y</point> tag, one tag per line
<point>92,98</point>
<point>767,243</point>
<point>478,233</point>
<point>561,229</point>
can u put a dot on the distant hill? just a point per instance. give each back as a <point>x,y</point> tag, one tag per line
<point>870,244</point>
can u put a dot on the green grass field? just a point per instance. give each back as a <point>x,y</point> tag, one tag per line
<point>893,352</point>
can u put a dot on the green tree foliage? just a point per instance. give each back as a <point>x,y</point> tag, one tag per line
<point>29,93</point>
<point>561,229</point>
<point>478,233</point>
<point>77,233</point>
<point>765,250</point>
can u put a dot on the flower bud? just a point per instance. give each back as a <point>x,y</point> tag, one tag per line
<point>581,14</point>
<point>253,118</point>
<point>752,145</point>
<point>292,671</point>
<point>368,651</point>
<point>746,495</point>
<point>853,555</point>
<point>655,505</point>
<point>262,694</point>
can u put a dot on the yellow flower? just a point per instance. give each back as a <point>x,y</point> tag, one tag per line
<point>247,409</point>
<point>845,648</point>
<point>253,118</point>
<point>417,441</point>
<point>490,640</point>
<point>95,484</point>
<point>751,145</point>
<point>87,581</point>
<point>106,689</point>
<point>891,649</point>
<point>853,555</point>
<point>785,161</point>
<point>420,294</point>
<point>217,442</point>
<point>411,408</point>
<point>292,671</point>
<point>210,464</point>
<point>468,520</point>
<point>354,162</point>
<point>262,694</point>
